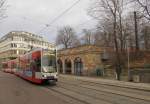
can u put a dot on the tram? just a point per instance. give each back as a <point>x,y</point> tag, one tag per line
<point>37,66</point>
<point>4,66</point>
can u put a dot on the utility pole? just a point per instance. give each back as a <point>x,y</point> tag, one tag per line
<point>136,31</point>
<point>146,38</point>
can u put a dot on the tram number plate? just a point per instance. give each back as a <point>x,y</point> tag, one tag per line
<point>50,77</point>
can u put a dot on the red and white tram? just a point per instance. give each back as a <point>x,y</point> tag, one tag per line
<point>37,66</point>
<point>4,66</point>
<point>8,66</point>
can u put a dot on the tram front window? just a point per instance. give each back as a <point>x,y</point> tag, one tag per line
<point>48,64</point>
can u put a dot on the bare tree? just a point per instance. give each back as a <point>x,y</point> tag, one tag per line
<point>99,39</point>
<point>145,8</point>
<point>104,36</point>
<point>145,36</point>
<point>120,10</point>
<point>121,28</point>
<point>88,37</point>
<point>66,37</point>
<point>110,7</point>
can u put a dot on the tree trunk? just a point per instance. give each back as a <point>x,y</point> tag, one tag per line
<point>121,34</point>
<point>118,63</point>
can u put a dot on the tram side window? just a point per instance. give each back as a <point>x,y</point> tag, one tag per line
<point>5,66</point>
<point>14,65</point>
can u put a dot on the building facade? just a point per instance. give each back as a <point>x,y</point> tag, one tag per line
<point>82,60</point>
<point>19,42</point>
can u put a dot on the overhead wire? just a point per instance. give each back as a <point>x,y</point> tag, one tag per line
<point>31,20</point>
<point>59,16</point>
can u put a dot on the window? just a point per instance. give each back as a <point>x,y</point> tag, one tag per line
<point>11,44</point>
<point>15,45</point>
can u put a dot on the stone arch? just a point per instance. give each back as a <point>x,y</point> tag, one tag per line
<point>60,66</point>
<point>68,66</point>
<point>78,66</point>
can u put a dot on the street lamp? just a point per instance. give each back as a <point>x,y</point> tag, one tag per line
<point>128,55</point>
<point>56,58</point>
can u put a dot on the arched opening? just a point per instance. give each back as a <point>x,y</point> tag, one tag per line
<point>68,66</point>
<point>78,66</point>
<point>60,68</point>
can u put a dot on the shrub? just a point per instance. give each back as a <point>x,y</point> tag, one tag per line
<point>147,66</point>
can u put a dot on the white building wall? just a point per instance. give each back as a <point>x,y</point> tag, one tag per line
<point>21,41</point>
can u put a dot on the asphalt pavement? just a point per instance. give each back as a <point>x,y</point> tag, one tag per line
<point>14,90</point>
<point>71,90</point>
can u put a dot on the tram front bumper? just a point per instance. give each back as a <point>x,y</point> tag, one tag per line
<point>51,77</point>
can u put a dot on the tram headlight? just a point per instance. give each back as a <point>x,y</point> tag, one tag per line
<point>44,76</point>
<point>56,75</point>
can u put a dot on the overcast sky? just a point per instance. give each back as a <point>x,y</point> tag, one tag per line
<point>33,15</point>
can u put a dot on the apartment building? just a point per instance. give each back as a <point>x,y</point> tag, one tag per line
<point>19,42</point>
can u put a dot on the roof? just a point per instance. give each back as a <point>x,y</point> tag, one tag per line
<point>23,33</point>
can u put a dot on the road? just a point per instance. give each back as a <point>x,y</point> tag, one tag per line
<point>69,90</point>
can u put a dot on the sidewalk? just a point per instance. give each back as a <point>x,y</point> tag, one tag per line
<point>139,86</point>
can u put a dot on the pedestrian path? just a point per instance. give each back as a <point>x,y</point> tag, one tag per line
<point>140,86</point>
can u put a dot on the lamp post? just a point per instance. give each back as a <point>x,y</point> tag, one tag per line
<point>128,55</point>
<point>56,58</point>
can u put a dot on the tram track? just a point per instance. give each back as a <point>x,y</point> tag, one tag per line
<point>107,86</point>
<point>96,96</point>
<point>66,95</point>
<point>108,94</point>
<point>74,90</point>
<point>88,92</point>
<point>118,84</point>
<point>80,97</point>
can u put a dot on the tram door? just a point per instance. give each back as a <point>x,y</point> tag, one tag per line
<point>36,63</point>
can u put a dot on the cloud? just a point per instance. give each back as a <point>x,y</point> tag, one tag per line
<point>33,15</point>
